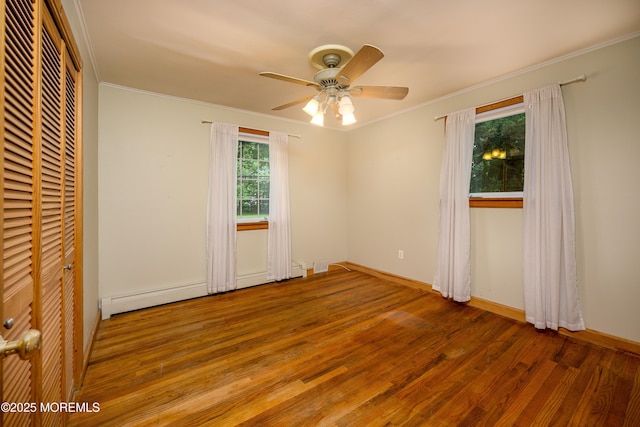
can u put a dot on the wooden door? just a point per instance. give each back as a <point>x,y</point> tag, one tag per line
<point>41,251</point>
<point>71,219</point>
<point>19,207</point>
<point>51,218</point>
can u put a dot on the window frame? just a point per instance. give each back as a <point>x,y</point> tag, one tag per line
<point>506,200</point>
<point>262,137</point>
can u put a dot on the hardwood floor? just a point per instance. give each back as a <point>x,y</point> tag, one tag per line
<point>347,349</point>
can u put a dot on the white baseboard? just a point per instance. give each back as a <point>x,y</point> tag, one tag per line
<point>123,303</point>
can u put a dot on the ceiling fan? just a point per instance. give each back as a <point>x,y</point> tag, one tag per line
<point>339,68</point>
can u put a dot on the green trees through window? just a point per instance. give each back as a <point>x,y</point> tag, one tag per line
<point>498,155</point>
<point>253,180</point>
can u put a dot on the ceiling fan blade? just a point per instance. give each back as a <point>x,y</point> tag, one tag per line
<point>364,59</point>
<point>292,103</point>
<point>288,79</point>
<point>384,92</point>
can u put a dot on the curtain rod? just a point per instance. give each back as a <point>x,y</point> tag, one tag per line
<point>580,78</point>
<point>259,130</point>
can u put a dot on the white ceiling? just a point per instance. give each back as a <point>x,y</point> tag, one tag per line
<point>212,51</point>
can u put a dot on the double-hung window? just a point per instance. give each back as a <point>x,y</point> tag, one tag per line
<point>253,180</point>
<point>497,169</point>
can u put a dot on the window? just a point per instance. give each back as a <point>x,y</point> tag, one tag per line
<point>253,179</point>
<point>497,168</point>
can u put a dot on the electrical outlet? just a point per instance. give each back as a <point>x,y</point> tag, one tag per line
<point>400,254</point>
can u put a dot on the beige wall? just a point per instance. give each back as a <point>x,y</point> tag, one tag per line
<point>394,168</point>
<point>363,195</point>
<point>153,159</point>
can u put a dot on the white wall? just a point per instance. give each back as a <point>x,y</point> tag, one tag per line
<point>394,168</point>
<point>153,158</point>
<point>90,175</point>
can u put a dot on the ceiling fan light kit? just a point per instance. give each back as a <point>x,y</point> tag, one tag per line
<point>338,68</point>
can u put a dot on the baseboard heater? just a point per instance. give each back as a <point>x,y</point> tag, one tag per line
<point>124,303</point>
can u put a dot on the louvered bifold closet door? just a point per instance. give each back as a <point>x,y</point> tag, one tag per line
<point>41,251</point>
<point>17,290</point>
<point>52,179</point>
<point>72,342</point>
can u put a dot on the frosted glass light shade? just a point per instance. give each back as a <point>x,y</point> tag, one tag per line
<point>346,106</point>
<point>318,118</point>
<point>312,107</point>
<point>348,119</point>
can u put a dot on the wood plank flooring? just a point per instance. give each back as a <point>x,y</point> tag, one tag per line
<point>347,349</point>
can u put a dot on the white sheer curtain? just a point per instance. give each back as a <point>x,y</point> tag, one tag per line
<point>279,236</point>
<point>550,285</point>
<point>453,271</point>
<point>221,208</point>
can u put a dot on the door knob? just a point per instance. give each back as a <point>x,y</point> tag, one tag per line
<point>8,324</point>
<point>68,266</point>
<point>26,347</point>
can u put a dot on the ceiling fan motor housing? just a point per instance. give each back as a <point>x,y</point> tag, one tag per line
<point>327,78</point>
<point>330,59</point>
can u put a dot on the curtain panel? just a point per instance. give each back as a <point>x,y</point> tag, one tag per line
<point>279,237</point>
<point>550,284</point>
<point>453,270</point>
<point>221,208</point>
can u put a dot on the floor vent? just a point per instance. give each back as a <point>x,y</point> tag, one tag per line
<point>320,267</point>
